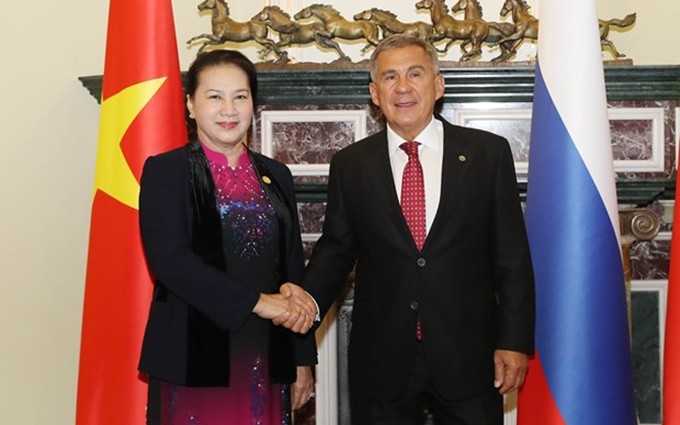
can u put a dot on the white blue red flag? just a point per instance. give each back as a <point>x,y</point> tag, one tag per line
<point>581,373</point>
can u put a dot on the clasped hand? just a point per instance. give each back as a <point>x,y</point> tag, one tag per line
<point>291,308</point>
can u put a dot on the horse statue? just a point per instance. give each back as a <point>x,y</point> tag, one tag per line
<point>627,21</point>
<point>291,32</point>
<point>497,30</point>
<point>225,29</point>
<point>388,23</point>
<point>526,25</point>
<point>339,27</point>
<point>472,32</point>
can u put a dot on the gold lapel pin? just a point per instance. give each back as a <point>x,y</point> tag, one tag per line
<point>266,179</point>
<point>461,158</point>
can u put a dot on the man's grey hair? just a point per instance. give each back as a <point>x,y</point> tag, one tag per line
<point>397,41</point>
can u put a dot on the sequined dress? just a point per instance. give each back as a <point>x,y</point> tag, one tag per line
<point>250,232</point>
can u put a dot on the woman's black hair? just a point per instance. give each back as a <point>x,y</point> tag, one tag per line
<point>201,182</point>
<point>216,58</point>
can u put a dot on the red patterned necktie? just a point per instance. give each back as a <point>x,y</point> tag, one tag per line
<point>413,194</point>
<point>413,202</point>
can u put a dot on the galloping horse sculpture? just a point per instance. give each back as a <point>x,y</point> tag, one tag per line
<point>291,32</point>
<point>627,21</point>
<point>326,26</point>
<point>339,27</point>
<point>387,21</point>
<point>497,30</point>
<point>472,32</point>
<point>526,25</point>
<point>225,29</point>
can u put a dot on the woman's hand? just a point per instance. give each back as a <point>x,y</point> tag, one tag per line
<point>303,387</point>
<point>300,300</point>
<point>291,308</point>
<point>270,306</point>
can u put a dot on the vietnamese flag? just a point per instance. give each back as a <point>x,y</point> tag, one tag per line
<point>671,364</point>
<point>142,113</point>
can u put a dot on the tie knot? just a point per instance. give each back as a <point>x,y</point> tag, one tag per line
<point>411,148</point>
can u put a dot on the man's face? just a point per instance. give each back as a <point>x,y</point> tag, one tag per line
<point>406,89</point>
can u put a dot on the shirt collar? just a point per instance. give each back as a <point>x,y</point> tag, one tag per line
<point>428,138</point>
<point>219,158</point>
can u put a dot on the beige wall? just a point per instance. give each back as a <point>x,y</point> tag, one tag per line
<point>49,128</point>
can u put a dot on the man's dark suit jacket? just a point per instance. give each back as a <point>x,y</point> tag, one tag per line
<point>472,283</point>
<point>195,303</point>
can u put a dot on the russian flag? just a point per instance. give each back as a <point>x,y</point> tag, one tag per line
<point>581,373</point>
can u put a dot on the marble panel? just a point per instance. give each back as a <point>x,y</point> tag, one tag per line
<point>311,216</point>
<point>669,138</point>
<point>510,120</point>
<point>307,145</point>
<point>650,259</point>
<point>638,140</point>
<point>310,142</point>
<point>646,355</point>
<point>374,120</point>
<point>516,131</point>
<point>631,139</point>
<point>301,180</point>
<point>663,210</point>
<point>307,140</point>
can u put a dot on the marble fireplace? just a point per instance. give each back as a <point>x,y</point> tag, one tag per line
<point>305,114</point>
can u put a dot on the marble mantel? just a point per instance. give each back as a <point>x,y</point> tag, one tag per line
<point>320,84</point>
<point>307,112</point>
<point>323,84</point>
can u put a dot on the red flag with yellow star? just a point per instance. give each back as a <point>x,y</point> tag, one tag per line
<point>142,113</point>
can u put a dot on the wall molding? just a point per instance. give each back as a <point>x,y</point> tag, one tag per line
<point>327,83</point>
<point>319,84</point>
<point>269,119</point>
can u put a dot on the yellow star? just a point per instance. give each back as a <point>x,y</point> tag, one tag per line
<point>113,174</point>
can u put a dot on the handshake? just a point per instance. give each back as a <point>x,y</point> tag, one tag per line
<point>291,308</point>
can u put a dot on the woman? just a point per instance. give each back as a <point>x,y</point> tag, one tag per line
<point>220,231</point>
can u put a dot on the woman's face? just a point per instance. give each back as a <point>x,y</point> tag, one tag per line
<point>222,106</point>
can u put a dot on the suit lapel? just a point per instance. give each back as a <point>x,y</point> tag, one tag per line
<point>457,160</point>
<point>383,186</point>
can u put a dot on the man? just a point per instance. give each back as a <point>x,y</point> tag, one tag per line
<point>443,314</point>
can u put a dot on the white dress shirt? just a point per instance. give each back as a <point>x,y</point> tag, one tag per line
<point>431,154</point>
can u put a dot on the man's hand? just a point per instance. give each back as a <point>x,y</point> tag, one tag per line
<point>303,387</point>
<point>302,309</point>
<point>510,370</point>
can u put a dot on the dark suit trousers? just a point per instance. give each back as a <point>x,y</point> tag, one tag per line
<point>420,395</point>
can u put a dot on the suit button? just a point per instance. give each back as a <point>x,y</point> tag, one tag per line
<point>414,305</point>
<point>421,262</point>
